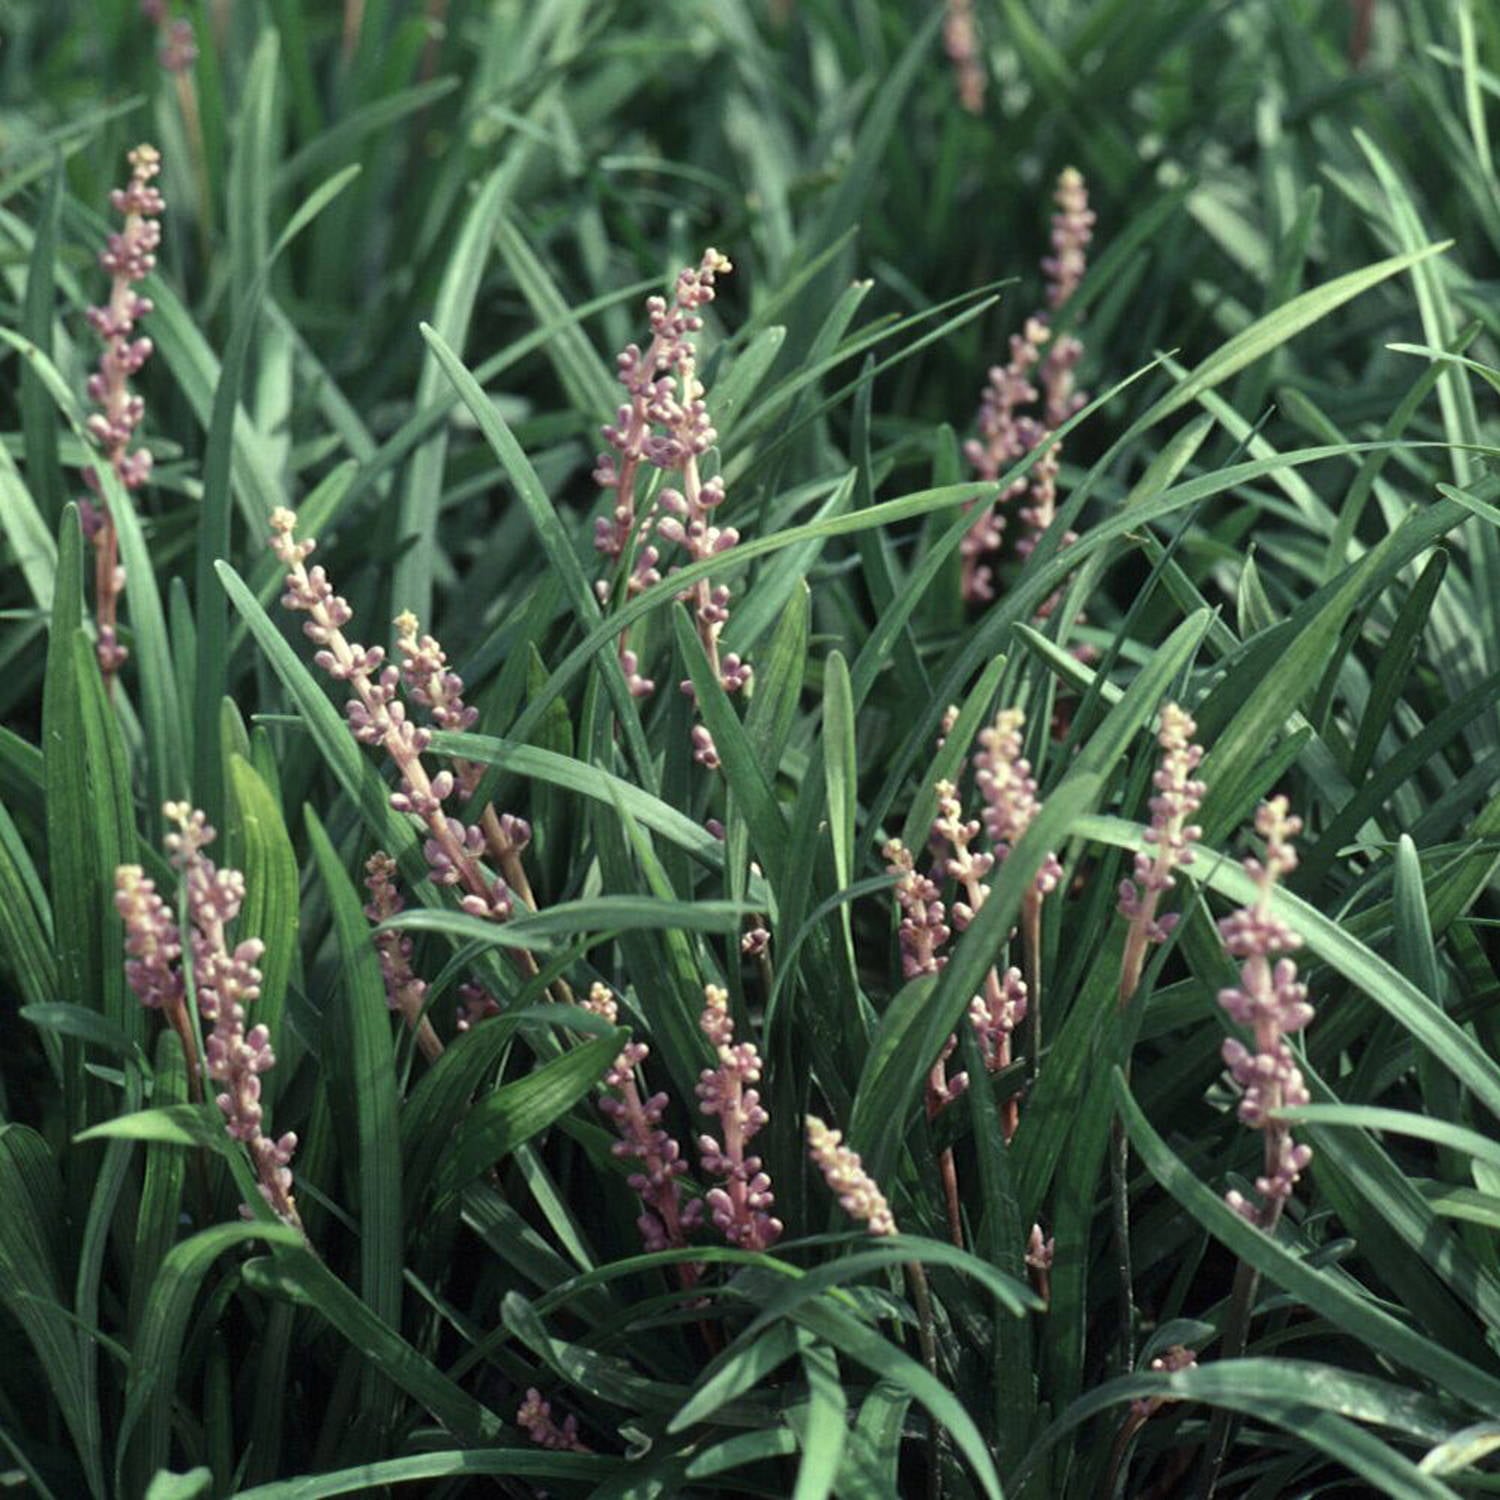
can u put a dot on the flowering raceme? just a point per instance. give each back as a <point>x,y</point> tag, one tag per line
<point>1170,840</point>
<point>739,1207</point>
<point>1271,1003</point>
<point>129,256</point>
<point>1004,779</point>
<point>1008,788</point>
<point>455,850</point>
<point>534,1417</point>
<point>858,1193</point>
<point>665,1221</point>
<point>665,424</point>
<point>1040,369</point>
<point>405,993</point>
<point>226,981</point>
<point>961,43</point>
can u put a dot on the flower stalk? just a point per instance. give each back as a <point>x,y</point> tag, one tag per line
<point>961,43</point>
<point>405,993</point>
<point>665,425</point>
<point>1011,805</point>
<point>226,981</point>
<point>740,1206</point>
<point>1271,1003</point>
<point>454,850</point>
<point>666,1220</point>
<point>534,1417</point>
<point>129,256</point>
<point>1040,373</point>
<point>1170,839</point>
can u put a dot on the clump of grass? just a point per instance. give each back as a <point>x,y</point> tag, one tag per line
<point>870,1073</point>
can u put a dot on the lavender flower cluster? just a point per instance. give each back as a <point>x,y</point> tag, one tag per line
<point>858,1193</point>
<point>666,1220</point>
<point>177,48</point>
<point>226,981</point>
<point>1269,1000</point>
<point>1271,1003</point>
<point>454,850</point>
<point>534,1417</point>
<point>665,425</point>
<point>129,256</point>
<point>1007,431</point>
<point>1008,792</point>
<point>740,1203</point>
<point>961,43</point>
<point>1169,838</point>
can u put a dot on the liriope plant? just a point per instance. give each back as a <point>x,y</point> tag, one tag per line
<point>873,1073</point>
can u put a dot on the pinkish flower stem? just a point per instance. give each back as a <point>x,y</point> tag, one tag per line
<point>129,257</point>
<point>107,589</point>
<point>1031,958</point>
<point>948,1172</point>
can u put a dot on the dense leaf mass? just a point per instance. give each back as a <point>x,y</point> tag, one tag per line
<point>749,748</point>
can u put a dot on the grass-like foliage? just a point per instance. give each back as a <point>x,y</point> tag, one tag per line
<point>750,748</point>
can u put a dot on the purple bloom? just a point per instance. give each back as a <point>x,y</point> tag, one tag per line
<point>665,1221</point>
<point>535,1417</point>
<point>129,256</point>
<point>404,992</point>
<point>996,1013</point>
<point>1041,370</point>
<point>1009,790</point>
<point>740,1207</point>
<point>1169,839</point>
<point>665,424</point>
<point>226,982</point>
<point>923,929</point>
<point>377,716</point>
<point>961,43</point>
<point>152,941</point>
<point>1271,1003</point>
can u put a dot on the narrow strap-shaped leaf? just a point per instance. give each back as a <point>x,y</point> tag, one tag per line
<point>152,1381</point>
<point>26,936</point>
<point>360,1060</point>
<point>822,1424</point>
<point>38,416</point>
<point>31,1229</point>
<point>297,1274</point>
<point>591,387</point>
<point>1276,327</point>
<point>747,782</point>
<point>165,770</point>
<point>878,1354</point>
<point>889,1084</point>
<point>499,1463</point>
<point>1344,1307</point>
<point>161,1192</point>
<point>417,519</point>
<point>517,1111</point>
<point>272,909</point>
<point>212,674</point>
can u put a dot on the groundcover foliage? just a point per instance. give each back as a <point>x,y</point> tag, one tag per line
<point>1051,754</point>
